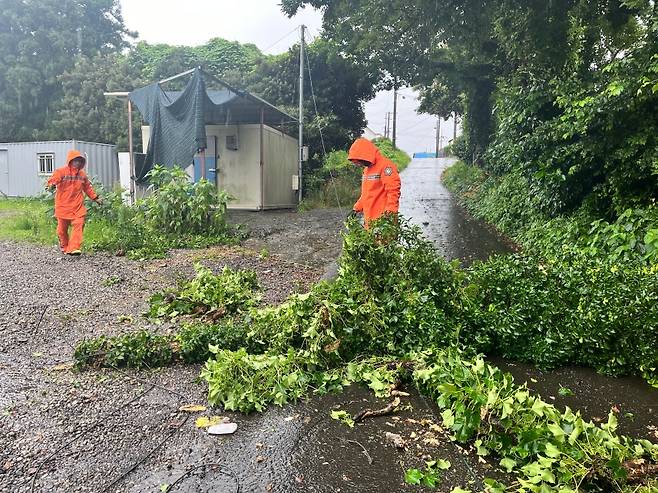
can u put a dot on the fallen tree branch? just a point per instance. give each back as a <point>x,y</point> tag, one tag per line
<point>367,413</point>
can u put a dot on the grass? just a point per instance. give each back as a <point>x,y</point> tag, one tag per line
<point>27,220</point>
<point>339,191</point>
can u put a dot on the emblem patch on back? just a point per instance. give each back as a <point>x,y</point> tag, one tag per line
<point>388,171</point>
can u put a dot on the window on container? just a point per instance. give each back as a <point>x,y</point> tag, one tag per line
<point>46,163</point>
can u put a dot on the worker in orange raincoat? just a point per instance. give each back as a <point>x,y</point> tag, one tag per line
<point>380,184</point>
<point>71,183</point>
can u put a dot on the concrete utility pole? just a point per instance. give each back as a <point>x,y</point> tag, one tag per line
<point>454,127</point>
<point>395,110</point>
<point>438,135</point>
<point>301,109</point>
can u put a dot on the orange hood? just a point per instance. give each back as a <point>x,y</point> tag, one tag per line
<point>364,150</point>
<point>72,154</point>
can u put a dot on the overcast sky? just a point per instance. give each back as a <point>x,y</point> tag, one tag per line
<point>262,23</point>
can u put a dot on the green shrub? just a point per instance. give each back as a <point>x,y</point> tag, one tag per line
<point>193,341</point>
<point>180,207</point>
<point>177,214</point>
<point>245,382</point>
<point>138,349</point>
<point>584,311</point>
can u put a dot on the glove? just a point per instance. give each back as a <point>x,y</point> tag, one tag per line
<point>99,200</point>
<point>352,214</point>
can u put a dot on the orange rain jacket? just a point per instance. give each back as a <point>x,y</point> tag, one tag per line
<point>71,183</point>
<point>380,184</point>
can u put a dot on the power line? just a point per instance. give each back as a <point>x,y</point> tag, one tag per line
<point>279,40</point>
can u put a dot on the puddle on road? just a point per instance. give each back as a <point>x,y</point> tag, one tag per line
<point>301,449</point>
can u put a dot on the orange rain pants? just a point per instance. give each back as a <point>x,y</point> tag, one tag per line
<point>74,242</point>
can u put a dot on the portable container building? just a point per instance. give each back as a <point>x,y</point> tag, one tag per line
<point>231,137</point>
<point>256,166</point>
<point>26,166</point>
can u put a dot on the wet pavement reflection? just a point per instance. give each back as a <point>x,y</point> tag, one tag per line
<point>428,204</point>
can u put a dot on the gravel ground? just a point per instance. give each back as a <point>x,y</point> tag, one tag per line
<point>49,304</point>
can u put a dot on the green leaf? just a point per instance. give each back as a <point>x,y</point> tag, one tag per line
<point>343,416</point>
<point>448,418</point>
<point>556,430</point>
<point>508,464</point>
<point>413,476</point>
<point>565,391</point>
<point>538,407</point>
<point>552,450</point>
<point>493,486</point>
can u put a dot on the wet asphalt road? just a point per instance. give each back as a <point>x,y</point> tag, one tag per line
<point>427,203</point>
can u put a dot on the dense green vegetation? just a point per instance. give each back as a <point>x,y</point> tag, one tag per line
<point>338,182</point>
<point>177,214</point>
<point>579,279</point>
<point>399,311</point>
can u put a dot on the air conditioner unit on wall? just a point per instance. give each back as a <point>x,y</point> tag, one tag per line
<point>232,142</point>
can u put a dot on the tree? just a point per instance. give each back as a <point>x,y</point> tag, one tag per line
<point>412,42</point>
<point>39,40</point>
<point>83,112</point>
<point>559,91</point>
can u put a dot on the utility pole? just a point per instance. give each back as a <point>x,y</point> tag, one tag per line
<point>395,110</point>
<point>454,128</point>
<point>438,135</point>
<point>301,110</point>
<point>386,125</point>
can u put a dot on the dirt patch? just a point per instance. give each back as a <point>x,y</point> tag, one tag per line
<point>310,238</point>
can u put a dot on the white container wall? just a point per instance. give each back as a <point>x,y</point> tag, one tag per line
<point>20,175</point>
<point>281,165</point>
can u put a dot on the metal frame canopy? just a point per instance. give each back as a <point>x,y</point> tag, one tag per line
<point>178,118</point>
